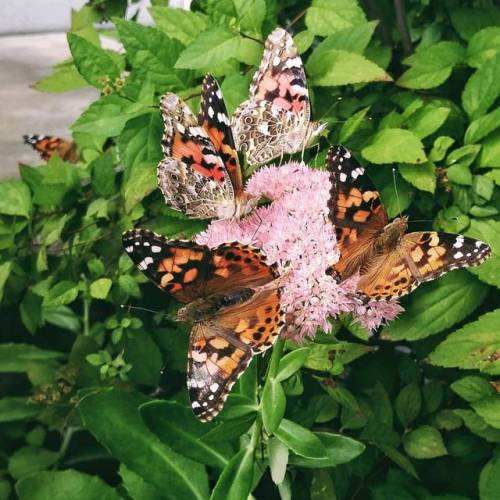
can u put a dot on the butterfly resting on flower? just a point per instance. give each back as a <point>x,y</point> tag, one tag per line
<point>390,261</point>
<point>231,297</point>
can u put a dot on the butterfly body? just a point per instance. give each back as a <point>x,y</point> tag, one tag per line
<point>48,146</point>
<point>229,295</point>
<point>200,174</point>
<point>389,261</point>
<point>276,118</point>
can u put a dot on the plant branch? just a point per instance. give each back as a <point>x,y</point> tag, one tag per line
<point>402,23</point>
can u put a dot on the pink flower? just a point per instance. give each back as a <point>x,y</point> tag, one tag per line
<point>295,233</point>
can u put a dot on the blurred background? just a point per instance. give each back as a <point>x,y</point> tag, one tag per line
<point>32,40</point>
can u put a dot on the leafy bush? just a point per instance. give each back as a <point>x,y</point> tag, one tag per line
<point>87,410</point>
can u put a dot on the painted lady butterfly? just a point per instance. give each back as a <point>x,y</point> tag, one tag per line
<point>276,118</point>
<point>231,298</point>
<point>201,174</point>
<point>48,146</point>
<point>390,261</point>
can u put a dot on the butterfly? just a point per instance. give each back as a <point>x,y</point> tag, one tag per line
<point>200,174</point>
<point>48,146</point>
<point>232,299</point>
<point>276,118</point>
<point>390,261</point>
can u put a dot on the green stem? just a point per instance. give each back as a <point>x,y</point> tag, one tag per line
<point>65,444</point>
<point>86,310</point>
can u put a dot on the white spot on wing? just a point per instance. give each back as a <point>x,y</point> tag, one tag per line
<point>156,249</point>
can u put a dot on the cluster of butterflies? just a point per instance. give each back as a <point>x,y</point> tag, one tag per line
<point>230,295</point>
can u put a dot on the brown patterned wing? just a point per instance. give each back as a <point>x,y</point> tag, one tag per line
<point>178,267</point>
<point>214,119</point>
<point>355,210</point>
<point>421,256</point>
<point>221,349</point>
<point>48,146</point>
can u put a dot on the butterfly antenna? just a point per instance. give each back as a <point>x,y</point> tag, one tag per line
<point>129,308</point>
<point>396,190</point>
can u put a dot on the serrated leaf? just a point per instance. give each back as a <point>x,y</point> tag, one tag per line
<point>408,404</point>
<point>472,388</point>
<point>489,409</point>
<point>92,62</point>
<point>475,346</point>
<point>140,182</point>
<point>490,155</point>
<point>470,20</point>
<point>483,45</point>
<point>482,89</point>
<point>489,480</point>
<point>250,14</point>
<point>65,77</point>
<point>325,17</point>
<point>15,198</point>
<point>427,120</point>
<point>181,24</point>
<point>480,128</point>
<point>423,177</point>
<point>61,293</point>
<point>424,442</point>
<point>435,306</point>
<point>399,459</point>
<point>352,124</point>
<point>394,145</point>
<point>340,67</point>
<point>431,66</point>
<point>100,288</point>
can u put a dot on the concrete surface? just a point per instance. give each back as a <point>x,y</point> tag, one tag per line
<point>24,59</point>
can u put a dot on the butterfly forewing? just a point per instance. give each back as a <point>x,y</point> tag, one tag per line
<point>48,146</point>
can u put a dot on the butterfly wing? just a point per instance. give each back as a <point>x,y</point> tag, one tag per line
<point>192,177</point>
<point>214,119</point>
<point>421,256</point>
<point>355,209</point>
<point>48,146</point>
<point>221,349</point>
<point>275,120</point>
<point>178,267</point>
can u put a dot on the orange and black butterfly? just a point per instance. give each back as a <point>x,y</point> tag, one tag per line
<point>232,299</point>
<point>390,261</point>
<point>48,146</point>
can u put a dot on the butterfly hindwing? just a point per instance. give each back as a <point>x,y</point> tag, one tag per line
<point>192,177</point>
<point>221,349</point>
<point>214,119</point>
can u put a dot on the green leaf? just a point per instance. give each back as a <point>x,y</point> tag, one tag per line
<point>17,358</point>
<point>339,450</point>
<point>472,388</point>
<point>489,409</point>
<point>153,54</point>
<point>431,66</point>
<point>303,40</point>
<point>424,442</point>
<point>440,147</point>
<point>30,459</point>
<point>61,485</point>
<point>140,141</point>
<point>278,459</point>
<point>211,47</point>
<point>141,182</point>
<point>489,480</point>
<point>475,346</point>
<point>322,486</point>
<point>15,198</point>
<point>65,77</point>
<point>235,90</point>
<point>427,120</point>
<point>100,288</point>
<point>483,45</point>
<point>17,408</point>
<point>291,362</point>
<point>137,488</point>
<point>483,186</point>
<point>459,174</point>
<point>183,25</point>
<point>353,39</point>
<point>106,117</point>
<point>103,174</point>
<point>408,404</point>
<point>482,89</point>
<point>394,145</point>
<point>399,459</point>
<point>340,394</point>
<point>480,128</point>
<point>490,156</point>
<point>300,440</point>
<point>352,124</point>
<point>236,480</point>
<point>250,14</point>
<point>423,176</point>
<point>92,62</point>
<point>470,20</point>
<point>436,306</point>
<point>141,347</point>
<point>325,17</point>
<point>112,417</point>
<point>463,156</point>
<point>340,67</point>
<point>478,426</point>
<point>174,424</point>
<point>5,269</point>
<point>273,404</point>
<point>61,294</point>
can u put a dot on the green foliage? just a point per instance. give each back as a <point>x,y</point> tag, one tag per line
<point>94,403</point>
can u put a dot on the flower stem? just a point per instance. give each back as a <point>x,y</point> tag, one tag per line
<point>275,358</point>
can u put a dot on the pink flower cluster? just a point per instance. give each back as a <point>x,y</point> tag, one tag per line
<point>295,233</point>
